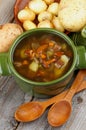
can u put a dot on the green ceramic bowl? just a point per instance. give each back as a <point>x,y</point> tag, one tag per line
<point>43,89</point>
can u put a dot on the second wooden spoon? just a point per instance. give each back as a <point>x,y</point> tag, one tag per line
<point>60,111</point>
<point>33,110</point>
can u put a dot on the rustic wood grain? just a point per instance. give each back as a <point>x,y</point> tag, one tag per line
<point>11,96</point>
<point>6,10</point>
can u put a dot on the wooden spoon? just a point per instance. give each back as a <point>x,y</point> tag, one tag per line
<point>33,110</point>
<point>60,111</point>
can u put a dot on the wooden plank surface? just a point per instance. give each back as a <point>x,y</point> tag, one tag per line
<point>6,10</point>
<point>11,96</point>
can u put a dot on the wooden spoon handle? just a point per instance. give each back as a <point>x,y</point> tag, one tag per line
<point>76,84</point>
<point>82,86</point>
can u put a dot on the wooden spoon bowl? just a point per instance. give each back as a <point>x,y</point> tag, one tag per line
<point>58,118</point>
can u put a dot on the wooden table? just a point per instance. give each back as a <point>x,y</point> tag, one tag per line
<point>11,96</point>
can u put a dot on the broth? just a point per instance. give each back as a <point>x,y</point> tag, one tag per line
<point>42,58</point>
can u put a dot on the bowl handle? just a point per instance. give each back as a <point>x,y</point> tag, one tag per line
<point>4,65</point>
<point>81,57</point>
<point>83,32</point>
<point>79,38</point>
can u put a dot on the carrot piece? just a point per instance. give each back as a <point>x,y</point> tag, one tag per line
<point>25,62</point>
<point>59,53</point>
<point>47,63</point>
<point>41,48</point>
<point>41,73</point>
<point>43,56</point>
<point>51,61</point>
<point>51,44</point>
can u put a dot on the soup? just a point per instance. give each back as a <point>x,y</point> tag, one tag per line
<point>42,58</point>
